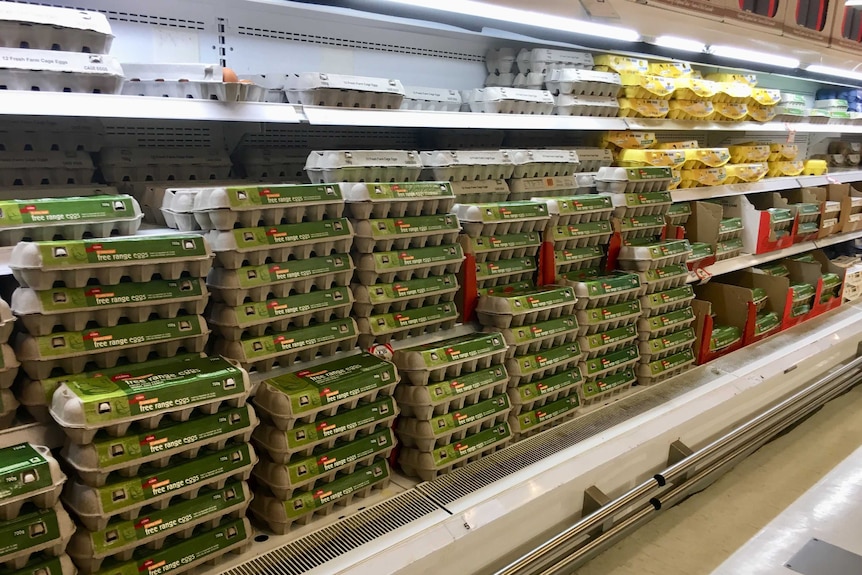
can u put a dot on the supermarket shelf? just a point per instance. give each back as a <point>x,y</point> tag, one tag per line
<point>695,125</point>
<point>767,185</point>
<point>840,177</point>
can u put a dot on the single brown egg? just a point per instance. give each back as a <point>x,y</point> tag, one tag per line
<point>228,75</point>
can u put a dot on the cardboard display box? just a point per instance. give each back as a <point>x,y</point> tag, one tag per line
<point>810,20</point>
<point>759,236</point>
<point>829,220</point>
<point>801,272</point>
<point>761,15</point>
<point>776,297</point>
<point>846,32</point>
<point>851,206</point>
<point>729,305</point>
<point>827,267</point>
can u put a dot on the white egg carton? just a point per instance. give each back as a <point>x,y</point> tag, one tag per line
<point>404,265</point>
<point>579,235</point>
<point>597,290</point>
<point>501,218</point>
<point>52,71</point>
<point>601,389</point>
<point>364,201</point>
<point>669,344</point>
<point>495,273</point>
<point>532,367</point>
<point>272,85</point>
<point>400,296</point>
<point>604,318</point>
<point>430,465</point>
<point>31,168</point>
<point>500,60</point>
<point>173,442</point>
<point>281,516</point>
<point>663,278</point>
<point>483,191</point>
<point>155,488</point>
<point>40,265</point>
<point>405,233</point>
<point>72,309</point>
<point>73,351</point>
<point>665,368</point>
<point>346,425</point>
<point>285,348</point>
<point>588,106</point>
<point>441,430</point>
<point>31,476</point>
<point>653,255</point>
<point>163,164</point>
<point>661,325</point>
<point>545,60</point>
<point>343,91</point>
<point>522,189</point>
<point>468,165</point>
<point>272,164</point>
<point>574,82</point>
<point>399,325</point>
<point>189,81</point>
<point>633,180</point>
<point>515,309</point>
<point>50,528</point>
<point>431,99</point>
<point>608,341</point>
<point>502,247</point>
<point>527,339</point>
<point>542,163</point>
<point>118,541</point>
<point>450,358</point>
<point>49,28</point>
<point>234,323</point>
<point>278,280</point>
<point>593,159</point>
<point>572,209</point>
<point>509,101</point>
<point>529,81</point>
<point>178,208</point>
<point>332,166</point>
<point>665,301</point>
<point>569,260</point>
<point>529,396</point>
<point>256,246</point>
<point>435,399</point>
<point>493,80</point>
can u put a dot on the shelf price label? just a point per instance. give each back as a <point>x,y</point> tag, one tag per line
<point>791,132</point>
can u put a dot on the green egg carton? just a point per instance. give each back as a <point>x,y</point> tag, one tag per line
<point>529,396</point>
<point>660,325</point>
<point>765,322</point>
<point>665,301</point>
<point>594,320</point>
<point>441,430</point>
<point>502,247</point>
<point>600,389</point>
<point>577,258</point>
<point>440,398</point>
<point>668,344</point>
<point>724,336</point>
<point>529,423</point>
<point>662,278</point>
<point>527,368</point>
<point>447,358</point>
<point>596,289</point>
<point>665,368</point>
<point>531,338</point>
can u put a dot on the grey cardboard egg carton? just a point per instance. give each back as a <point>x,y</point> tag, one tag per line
<point>662,278</point>
<point>163,164</point>
<point>523,189</point>
<point>272,164</point>
<point>492,80</point>
<point>501,218</point>
<point>278,280</point>
<point>400,325</point>
<point>52,71</point>
<point>287,480</point>
<point>531,367</point>
<point>233,323</point>
<point>610,363</point>
<point>600,390</point>
<point>670,366</point>
<point>516,309</point>
<point>608,341</point>
<point>177,208</point>
<point>399,296</point>
<point>118,541</point>
<point>509,101</point>
<point>604,318</point>
<point>430,465</point>
<point>439,431</point>
<point>593,159</point>
<point>530,396</point>
<point>481,191</point>
<point>298,398</point>
<point>343,91</point>
<point>653,255</point>
<point>63,191</point>
<point>405,265</point>
<point>7,322</point>
<point>281,516</point>
<point>364,201</point>
<point>43,530</point>
<point>602,290</point>
<point>573,209</point>
<point>285,348</point>
<point>41,355</point>
<point>546,59</point>
<point>661,325</point>
<point>49,28</point>
<point>179,441</point>
<point>151,194</point>
<point>529,423</point>
<point>155,488</point>
<point>431,99</point>
<point>527,339</point>
<point>628,205</point>
<point>502,247</point>
<point>632,180</point>
<point>669,344</point>
<point>346,425</point>
<point>467,165</point>
<point>529,81</point>
<point>39,265</point>
<point>580,235</point>
<point>678,213</point>
<point>42,563</point>
<point>72,309</point>
<point>424,402</point>
<point>495,273</point>
<point>8,408</point>
<point>332,166</point>
<point>48,168</point>
<point>30,475</point>
<point>566,260</point>
<point>500,60</point>
<point>543,163</point>
<point>188,384</point>
<point>586,106</point>
<point>641,226</point>
<point>404,233</point>
<point>664,301</point>
<point>449,358</point>
<point>195,81</point>
<point>574,82</point>
<point>255,246</point>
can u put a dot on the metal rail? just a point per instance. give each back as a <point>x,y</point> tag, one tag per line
<point>586,538</point>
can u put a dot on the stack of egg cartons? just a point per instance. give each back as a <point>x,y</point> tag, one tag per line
<point>325,438</point>
<point>500,63</point>
<point>34,525</point>
<point>453,401</point>
<point>643,95</point>
<point>731,96</point>
<point>539,172</point>
<point>8,369</point>
<point>541,330</point>
<point>282,267</point>
<point>581,91</point>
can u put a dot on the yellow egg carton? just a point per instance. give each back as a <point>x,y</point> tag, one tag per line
<point>747,79</point>
<point>732,92</point>
<point>749,153</point>
<point>765,97</point>
<point>654,158</point>
<point>706,158</point>
<point>620,64</point>
<point>638,108</point>
<point>778,152</point>
<point>788,168</point>
<point>700,177</point>
<point>815,168</point>
<point>628,140</point>
<point>729,111</point>
<point>759,113</point>
<point>690,110</point>
<point>645,87</point>
<point>670,69</point>
<point>695,89</point>
<point>685,145</point>
<point>745,173</point>
<point>675,180</point>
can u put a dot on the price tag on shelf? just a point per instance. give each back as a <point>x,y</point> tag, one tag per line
<point>791,133</point>
<point>832,180</point>
<point>699,276</point>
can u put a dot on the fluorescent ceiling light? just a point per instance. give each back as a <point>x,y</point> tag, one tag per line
<point>528,17</point>
<point>684,44</point>
<point>852,3</point>
<point>754,56</point>
<point>830,71</point>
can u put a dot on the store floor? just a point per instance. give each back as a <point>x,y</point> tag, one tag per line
<point>696,536</point>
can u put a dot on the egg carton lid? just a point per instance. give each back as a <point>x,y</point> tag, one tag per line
<point>55,17</point>
<point>496,94</point>
<point>450,351</point>
<point>501,212</point>
<point>446,158</point>
<point>28,471</point>
<point>15,214</point>
<point>133,157</point>
<point>432,94</point>
<point>257,155</point>
<point>335,159</point>
<point>578,75</point>
<point>536,156</point>
<point>565,100</point>
<point>543,184</point>
<point>385,192</point>
<point>256,197</point>
<point>52,61</point>
<point>831,103</point>
<point>173,72</point>
<point>528,59</point>
<point>609,174</point>
<point>323,80</point>
<point>32,160</point>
